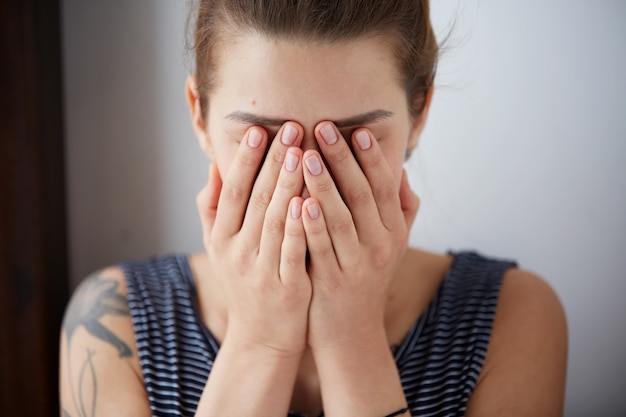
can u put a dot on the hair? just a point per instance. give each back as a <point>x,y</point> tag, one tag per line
<point>405,23</point>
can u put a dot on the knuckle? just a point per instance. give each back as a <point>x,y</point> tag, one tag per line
<point>374,160</point>
<point>287,182</point>
<point>361,197</point>
<point>274,225</point>
<point>293,296</point>
<point>241,260</point>
<point>233,191</point>
<point>293,260</point>
<point>325,185</point>
<point>276,159</point>
<point>342,154</point>
<point>344,226</point>
<point>315,229</point>
<point>381,255</point>
<point>293,230</point>
<point>260,200</point>
<point>328,281</point>
<point>386,193</point>
<point>324,251</point>
<point>246,160</point>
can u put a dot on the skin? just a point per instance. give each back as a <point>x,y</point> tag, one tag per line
<point>307,280</point>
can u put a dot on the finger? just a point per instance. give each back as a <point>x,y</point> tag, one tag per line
<point>409,201</point>
<point>292,268</point>
<point>238,182</point>
<point>206,218</point>
<point>318,241</point>
<point>350,179</point>
<point>208,198</point>
<point>381,179</point>
<point>337,218</point>
<point>288,185</point>
<point>206,201</point>
<point>290,135</point>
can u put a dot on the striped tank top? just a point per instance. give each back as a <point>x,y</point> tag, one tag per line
<point>439,360</point>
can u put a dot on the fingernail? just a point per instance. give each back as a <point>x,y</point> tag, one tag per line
<point>291,162</point>
<point>328,134</point>
<point>254,138</point>
<point>313,210</point>
<point>363,140</point>
<point>296,209</point>
<point>289,135</point>
<point>314,165</point>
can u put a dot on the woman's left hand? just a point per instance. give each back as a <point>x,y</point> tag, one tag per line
<point>357,225</point>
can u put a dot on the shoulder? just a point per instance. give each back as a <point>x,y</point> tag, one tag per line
<point>524,370</point>
<point>99,304</point>
<point>99,367</point>
<point>528,297</point>
<point>529,309</point>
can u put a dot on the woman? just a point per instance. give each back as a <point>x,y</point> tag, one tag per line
<point>307,300</point>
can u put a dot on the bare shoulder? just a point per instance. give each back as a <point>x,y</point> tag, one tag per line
<point>525,367</point>
<point>99,368</point>
<point>99,309</point>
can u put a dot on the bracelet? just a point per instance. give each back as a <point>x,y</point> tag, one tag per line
<point>399,412</point>
<point>394,414</point>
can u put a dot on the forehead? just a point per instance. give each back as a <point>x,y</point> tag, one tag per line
<point>300,79</point>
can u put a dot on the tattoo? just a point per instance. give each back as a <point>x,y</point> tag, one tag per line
<point>84,398</point>
<point>95,298</point>
<point>87,366</point>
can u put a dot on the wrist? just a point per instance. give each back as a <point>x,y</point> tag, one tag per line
<point>355,338</point>
<point>258,341</point>
<point>267,350</point>
<point>355,349</point>
<point>359,378</point>
<point>267,386</point>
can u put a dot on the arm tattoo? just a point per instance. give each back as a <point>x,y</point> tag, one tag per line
<point>95,298</point>
<point>88,371</point>
<point>84,398</point>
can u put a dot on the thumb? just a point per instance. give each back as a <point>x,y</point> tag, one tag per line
<point>409,201</point>
<point>207,201</point>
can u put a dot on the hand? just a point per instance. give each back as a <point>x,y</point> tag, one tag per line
<point>256,247</point>
<point>357,229</point>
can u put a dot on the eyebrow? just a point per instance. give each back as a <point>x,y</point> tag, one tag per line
<point>358,120</point>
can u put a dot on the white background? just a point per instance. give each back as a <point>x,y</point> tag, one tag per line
<point>524,155</point>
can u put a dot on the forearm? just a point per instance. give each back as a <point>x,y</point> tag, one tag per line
<point>249,380</point>
<point>361,379</point>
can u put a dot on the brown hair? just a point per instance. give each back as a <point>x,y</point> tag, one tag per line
<point>405,22</point>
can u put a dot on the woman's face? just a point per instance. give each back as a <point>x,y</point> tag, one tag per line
<point>265,82</point>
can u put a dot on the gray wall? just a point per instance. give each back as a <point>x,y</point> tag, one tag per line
<point>524,155</point>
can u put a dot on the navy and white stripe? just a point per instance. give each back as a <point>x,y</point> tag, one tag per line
<point>439,361</point>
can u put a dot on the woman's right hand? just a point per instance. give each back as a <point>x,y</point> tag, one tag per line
<point>256,243</point>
